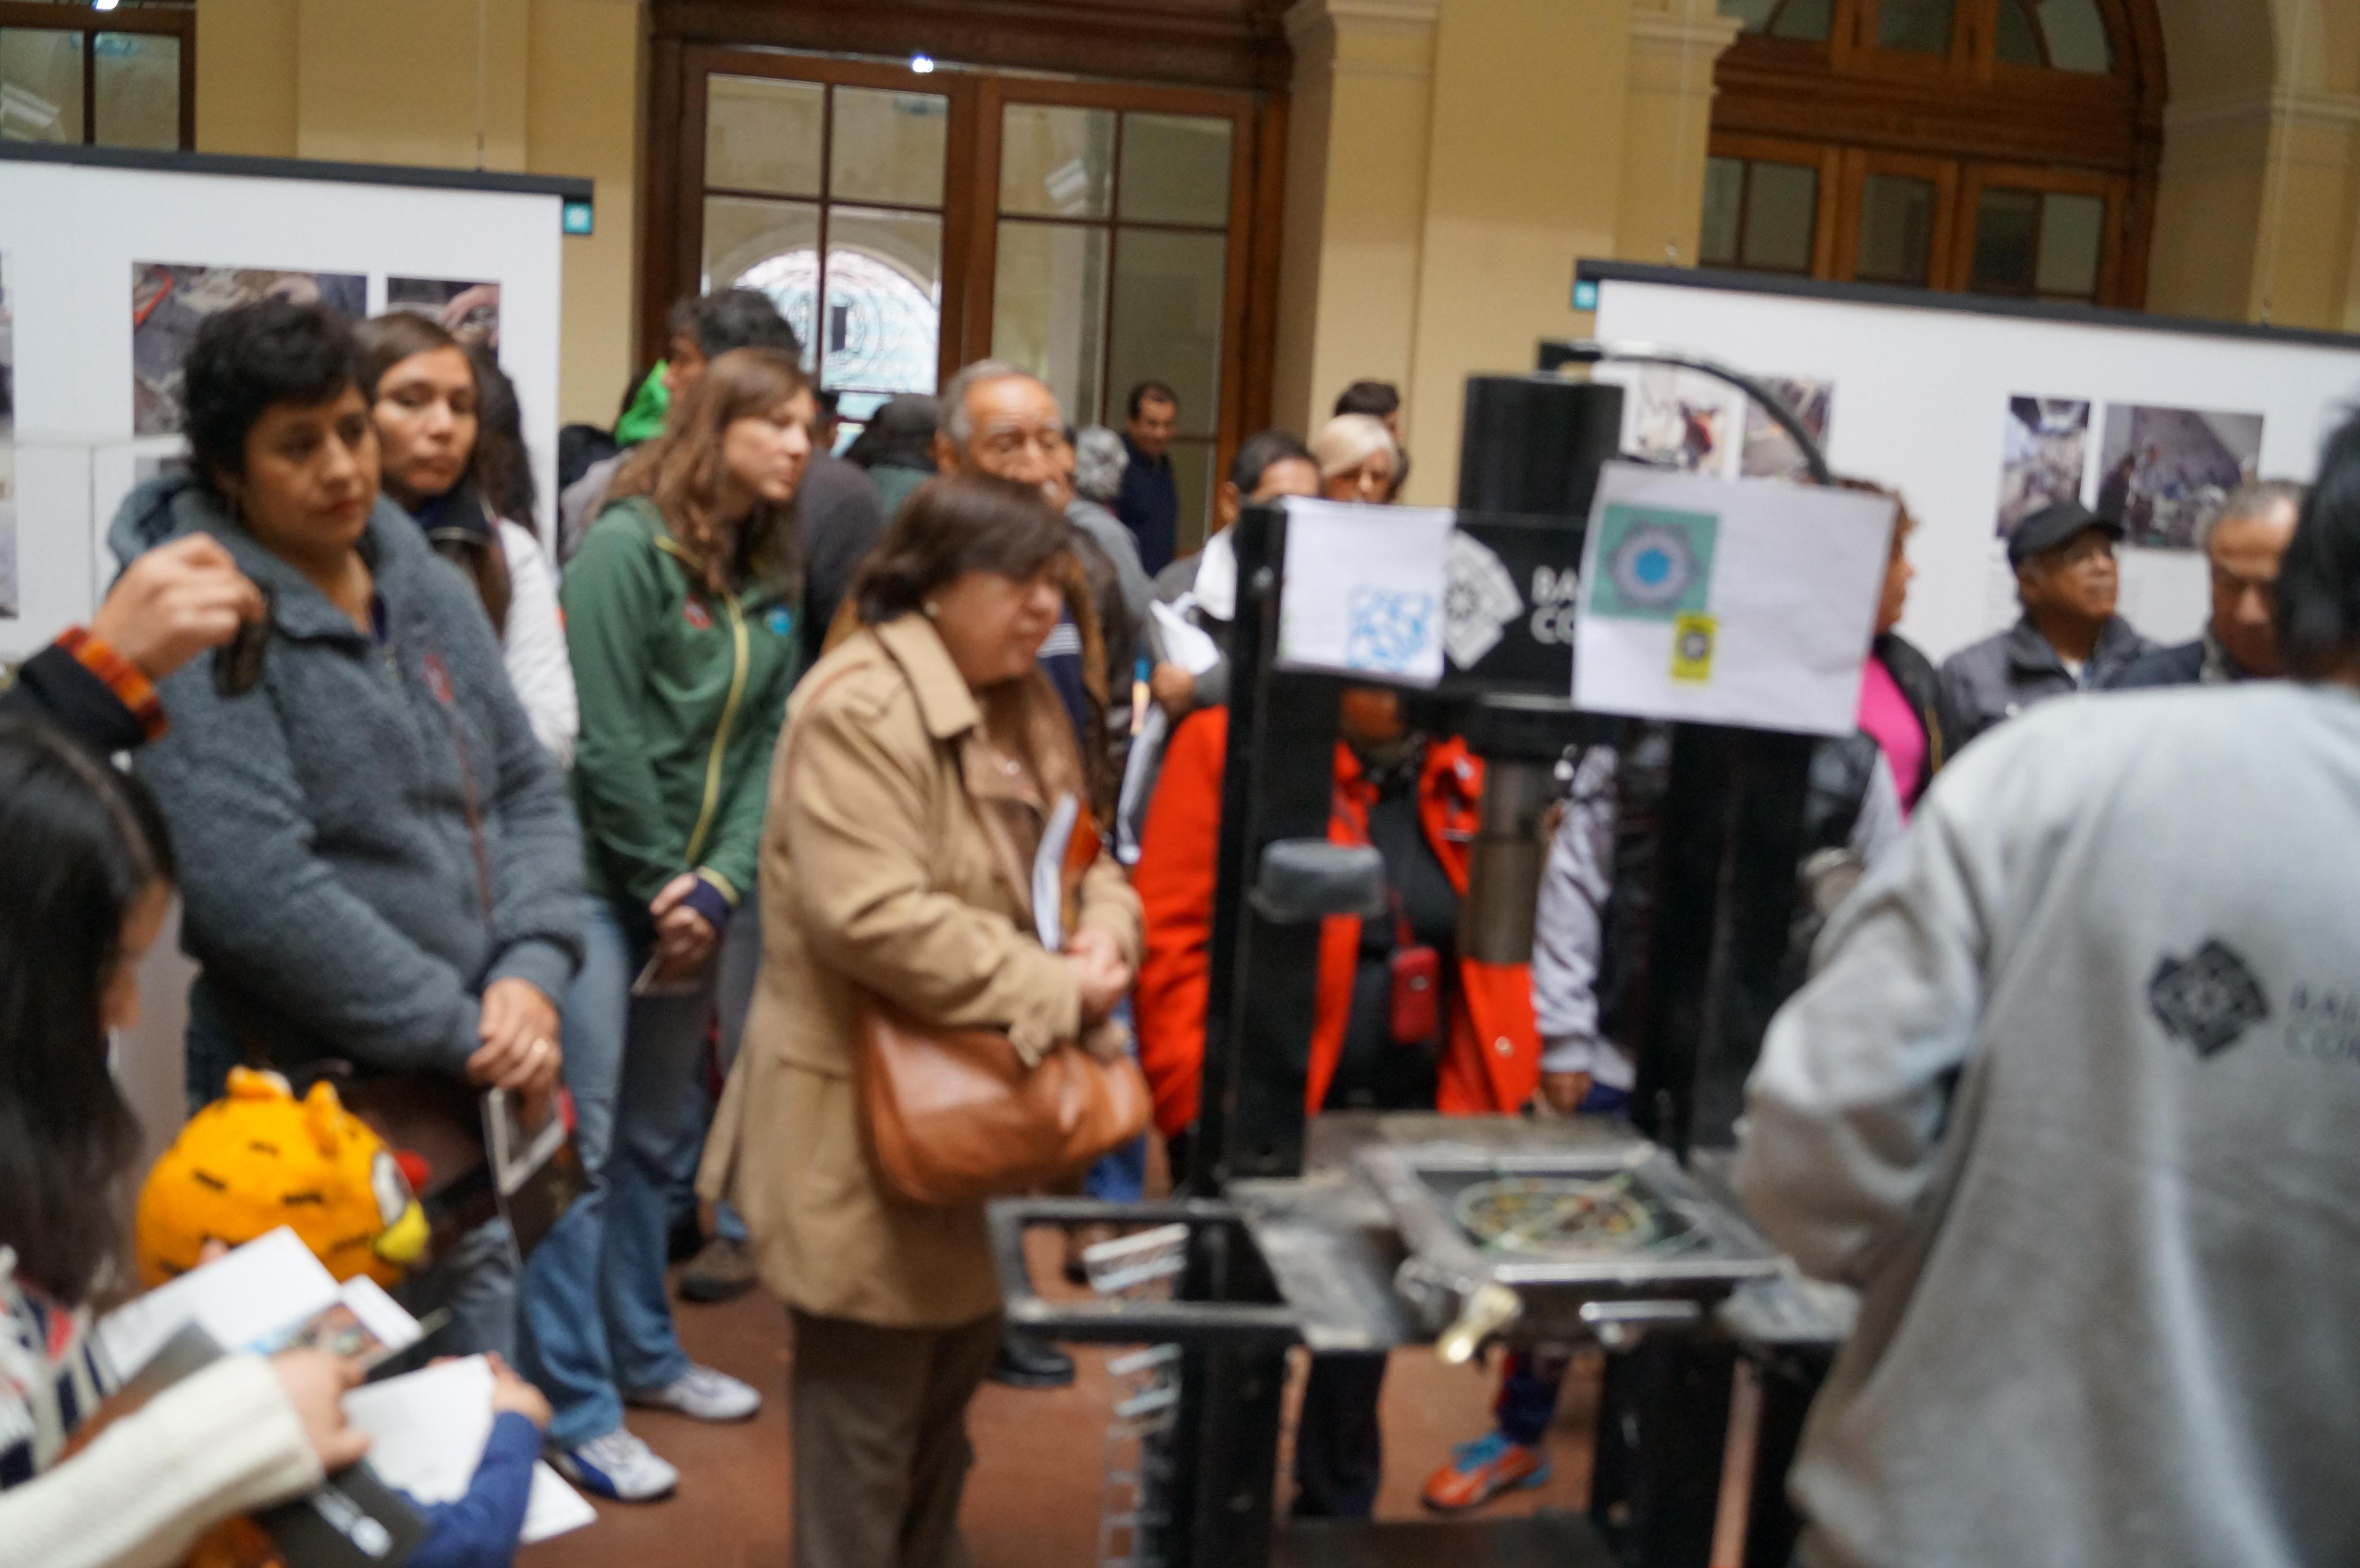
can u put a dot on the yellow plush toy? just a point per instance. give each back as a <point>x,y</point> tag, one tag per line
<point>258,1159</point>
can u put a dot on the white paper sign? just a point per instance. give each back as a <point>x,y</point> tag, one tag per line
<point>1747,602</point>
<point>1364,589</point>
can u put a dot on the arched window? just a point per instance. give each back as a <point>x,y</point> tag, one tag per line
<point>1992,147</point>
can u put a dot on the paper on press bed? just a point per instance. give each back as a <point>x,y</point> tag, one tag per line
<point>1746,601</point>
<point>426,1431</point>
<point>1364,589</point>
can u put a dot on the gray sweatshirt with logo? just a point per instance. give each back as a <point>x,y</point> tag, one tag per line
<point>329,867</point>
<point>2075,1102</point>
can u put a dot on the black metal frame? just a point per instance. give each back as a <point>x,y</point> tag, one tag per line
<point>1734,815</point>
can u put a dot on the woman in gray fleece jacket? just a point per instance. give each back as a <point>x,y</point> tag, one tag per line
<point>379,866</point>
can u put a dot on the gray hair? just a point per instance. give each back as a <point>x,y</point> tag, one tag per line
<point>1099,458</point>
<point>952,420</point>
<point>2251,499</point>
<point>1348,441</point>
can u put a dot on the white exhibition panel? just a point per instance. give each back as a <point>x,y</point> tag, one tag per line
<point>72,235</point>
<point>1920,403</point>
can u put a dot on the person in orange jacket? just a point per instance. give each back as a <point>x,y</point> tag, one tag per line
<point>1472,1049</point>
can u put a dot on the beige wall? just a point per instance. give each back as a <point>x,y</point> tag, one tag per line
<point>2257,209</point>
<point>557,93</point>
<point>1450,160</point>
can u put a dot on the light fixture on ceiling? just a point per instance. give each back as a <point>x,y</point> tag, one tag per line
<point>923,64</point>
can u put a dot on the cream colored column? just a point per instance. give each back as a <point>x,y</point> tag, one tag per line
<point>1667,128</point>
<point>583,118</point>
<point>1356,181</point>
<point>1523,178</point>
<point>2257,210</point>
<point>246,52</point>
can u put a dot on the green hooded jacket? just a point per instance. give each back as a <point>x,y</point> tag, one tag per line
<point>682,695</point>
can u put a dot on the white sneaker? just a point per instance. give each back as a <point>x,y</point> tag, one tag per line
<point>617,1466</point>
<point>701,1394</point>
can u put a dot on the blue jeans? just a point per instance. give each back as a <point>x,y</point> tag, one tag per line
<point>595,1320</point>
<point>735,970</point>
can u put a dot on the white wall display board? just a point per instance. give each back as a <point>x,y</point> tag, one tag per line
<point>112,260</point>
<point>1978,412</point>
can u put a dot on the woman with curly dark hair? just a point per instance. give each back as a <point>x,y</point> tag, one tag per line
<point>383,880</point>
<point>680,612</point>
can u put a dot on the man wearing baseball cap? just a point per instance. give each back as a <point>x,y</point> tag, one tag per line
<point>2069,639</point>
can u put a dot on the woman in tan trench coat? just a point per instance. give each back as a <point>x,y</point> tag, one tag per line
<point>921,758</point>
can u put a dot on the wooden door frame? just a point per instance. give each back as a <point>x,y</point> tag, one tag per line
<point>173,22</point>
<point>1859,163</point>
<point>2114,190</point>
<point>672,247</point>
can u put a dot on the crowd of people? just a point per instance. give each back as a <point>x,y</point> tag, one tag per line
<point>772,737</point>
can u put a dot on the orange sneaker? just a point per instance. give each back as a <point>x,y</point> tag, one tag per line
<point>1481,1470</point>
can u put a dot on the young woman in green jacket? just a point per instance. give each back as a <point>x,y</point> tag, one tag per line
<point>680,612</point>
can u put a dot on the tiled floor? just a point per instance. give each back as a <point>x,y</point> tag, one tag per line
<point>1033,1499</point>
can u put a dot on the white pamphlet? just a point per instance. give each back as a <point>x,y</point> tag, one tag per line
<point>427,1433</point>
<point>1364,589</point>
<point>1049,872</point>
<point>1737,602</point>
<point>266,1295</point>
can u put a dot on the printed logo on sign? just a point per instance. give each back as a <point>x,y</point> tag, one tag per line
<point>1480,603</point>
<point>2209,998</point>
<point>1654,563</point>
<point>1388,630</point>
<point>1692,640</point>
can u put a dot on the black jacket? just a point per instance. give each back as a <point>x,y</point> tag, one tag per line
<point>55,685</point>
<point>1915,674</point>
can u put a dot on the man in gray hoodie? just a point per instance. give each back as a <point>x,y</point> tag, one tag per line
<point>2071,1102</point>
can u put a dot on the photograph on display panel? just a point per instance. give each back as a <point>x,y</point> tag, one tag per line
<point>1673,418</point>
<point>468,312</point>
<point>169,301</point>
<point>2041,456</point>
<point>8,597</point>
<point>2162,470</point>
<point>1770,452</point>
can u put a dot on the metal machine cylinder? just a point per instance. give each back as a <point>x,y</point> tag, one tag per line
<point>1532,446</point>
<point>1503,871</point>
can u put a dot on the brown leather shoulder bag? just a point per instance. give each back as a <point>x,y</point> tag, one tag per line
<point>953,1116</point>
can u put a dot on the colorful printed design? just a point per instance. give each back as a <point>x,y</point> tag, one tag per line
<point>1388,630</point>
<point>1655,563</point>
<point>780,619</point>
<point>2209,999</point>
<point>1692,644</point>
<point>695,612</point>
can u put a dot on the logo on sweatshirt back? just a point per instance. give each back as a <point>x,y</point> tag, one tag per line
<point>2209,999</point>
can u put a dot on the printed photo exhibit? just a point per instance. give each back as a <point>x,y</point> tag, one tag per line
<point>1672,418</point>
<point>1770,452</point>
<point>2162,470</point>
<point>468,312</point>
<point>2046,446</point>
<point>169,301</point>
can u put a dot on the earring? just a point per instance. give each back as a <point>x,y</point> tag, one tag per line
<point>934,610</point>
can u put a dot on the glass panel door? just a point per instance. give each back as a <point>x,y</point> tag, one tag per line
<point>1113,268</point>
<point>828,196</point>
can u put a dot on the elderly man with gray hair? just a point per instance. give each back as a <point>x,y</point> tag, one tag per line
<point>2243,543</point>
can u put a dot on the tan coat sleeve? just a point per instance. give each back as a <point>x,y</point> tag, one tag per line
<point>855,824</point>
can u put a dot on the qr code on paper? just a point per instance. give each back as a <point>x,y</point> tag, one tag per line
<point>1389,632</point>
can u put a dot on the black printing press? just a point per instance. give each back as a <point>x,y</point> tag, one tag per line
<point>1366,1231</point>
